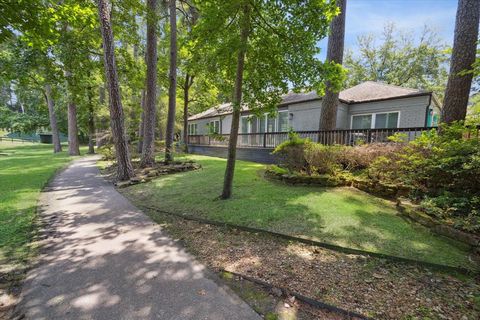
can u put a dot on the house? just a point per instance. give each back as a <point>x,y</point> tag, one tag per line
<point>370,110</point>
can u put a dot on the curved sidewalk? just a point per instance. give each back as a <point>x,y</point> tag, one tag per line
<point>104,259</point>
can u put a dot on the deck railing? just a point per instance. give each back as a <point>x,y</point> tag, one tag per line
<point>343,137</point>
<point>273,139</point>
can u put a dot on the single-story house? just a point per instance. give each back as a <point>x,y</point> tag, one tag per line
<point>369,105</point>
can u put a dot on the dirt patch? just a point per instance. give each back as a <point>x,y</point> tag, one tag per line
<point>273,304</point>
<point>369,286</point>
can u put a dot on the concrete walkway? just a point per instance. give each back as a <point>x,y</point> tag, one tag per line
<point>104,259</point>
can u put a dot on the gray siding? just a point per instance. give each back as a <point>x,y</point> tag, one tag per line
<point>306,115</point>
<point>412,110</point>
<point>225,124</point>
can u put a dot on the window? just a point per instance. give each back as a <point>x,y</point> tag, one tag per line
<point>244,127</point>
<point>271,124</point>
<point>376,120</point>
<point>283,121</point>
<point>386,120</point>
<point>192,129</point>
<point>214,126</point>
<point>362,122</point>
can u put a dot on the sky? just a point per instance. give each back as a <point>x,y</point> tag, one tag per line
<point>370,16</point>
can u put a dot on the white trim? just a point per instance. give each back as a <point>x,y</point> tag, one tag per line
<point>374,117</point>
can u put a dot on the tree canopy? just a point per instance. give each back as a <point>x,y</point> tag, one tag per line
<point>400,58</point>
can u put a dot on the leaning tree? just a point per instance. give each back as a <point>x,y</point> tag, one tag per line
<point>259,50</point>
<point>125,168</point>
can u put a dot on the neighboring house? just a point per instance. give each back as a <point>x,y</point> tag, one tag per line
<point>369,105</point>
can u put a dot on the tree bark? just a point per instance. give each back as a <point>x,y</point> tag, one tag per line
<point>186,101</point>
<point>336,39</point>
<point>125,168</point>
<point>172,90</point>
<point>73,144</point>
<point>57,146</point>
<point>91,131</point>
<point>141,126</point>
<point>148,148</point>
<point>463,56</point>
<point>237,104</point>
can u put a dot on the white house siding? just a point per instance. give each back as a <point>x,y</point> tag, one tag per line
<point>412,110</point>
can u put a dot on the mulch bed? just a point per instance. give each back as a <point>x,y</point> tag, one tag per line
<point>143,175</point>
<point>369,286</point>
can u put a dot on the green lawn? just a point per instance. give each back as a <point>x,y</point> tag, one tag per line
<point>24,170</point>
<point>342,216</point>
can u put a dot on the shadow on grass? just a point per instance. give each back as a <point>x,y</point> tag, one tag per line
<point>341,216</point>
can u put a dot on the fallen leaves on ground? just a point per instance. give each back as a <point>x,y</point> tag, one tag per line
<point>370,286</point>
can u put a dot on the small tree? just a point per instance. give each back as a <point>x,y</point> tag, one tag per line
<point>259,50</point>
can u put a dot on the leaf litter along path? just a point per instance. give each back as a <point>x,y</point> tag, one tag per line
<point>370,286</point>
<point>104,259</point>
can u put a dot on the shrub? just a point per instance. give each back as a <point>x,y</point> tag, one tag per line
<point>107,151</point>
<point>443,169</point>
<point>292,152</point>
<point>361,157</point>
<point>322,159</point>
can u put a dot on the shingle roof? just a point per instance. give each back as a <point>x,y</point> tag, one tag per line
<point>371,91</point>
<point>363,92</point>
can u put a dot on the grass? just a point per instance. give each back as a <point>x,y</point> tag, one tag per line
<point>24,170</point>
<point>342,216</point>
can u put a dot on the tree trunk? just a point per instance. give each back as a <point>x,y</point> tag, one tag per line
<point>336,39</point>
<point>463,56</point>
<point>73,144</point>
<point>91,130</point>
<point>141,126</point>
<point>237,104</point>
<point>148,148</point>
<point>172,90</point>
<point>125,168</point>
<point>57,146</point>
<point>186,97</point>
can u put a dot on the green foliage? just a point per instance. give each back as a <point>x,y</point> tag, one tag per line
<point>21,122</point>
<point>322,159</point>
<point>292,152</point>
<point>396,58</point>
<point>282,40</point>
<point>443,170</point>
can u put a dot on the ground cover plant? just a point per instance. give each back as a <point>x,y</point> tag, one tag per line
<point>342,216</point>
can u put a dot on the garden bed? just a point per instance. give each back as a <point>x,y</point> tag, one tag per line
<point>142,175</point>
